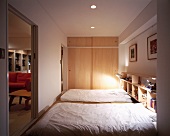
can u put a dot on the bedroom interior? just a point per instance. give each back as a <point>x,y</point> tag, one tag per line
<point>138,62</point>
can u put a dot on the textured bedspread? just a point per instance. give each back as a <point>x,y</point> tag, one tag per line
<point>72,119</point>
<point>84,95</point>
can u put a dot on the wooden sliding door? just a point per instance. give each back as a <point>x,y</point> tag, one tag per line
<point>92,62</point>
<point>105,65</point>
<point>79,68</point>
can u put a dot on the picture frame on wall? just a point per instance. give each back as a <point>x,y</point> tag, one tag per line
<point>133,53</point>
<point>152,47</point>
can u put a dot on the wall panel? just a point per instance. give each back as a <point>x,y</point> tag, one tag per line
<point>142,65</point>
<point>105,41</point>
<point>79,41</point>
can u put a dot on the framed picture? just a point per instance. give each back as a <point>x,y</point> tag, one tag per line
<point>152,47</point>
<point>133,53</point>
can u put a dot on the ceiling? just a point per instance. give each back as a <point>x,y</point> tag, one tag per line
<point>75,17</point>
<point>110,18</point>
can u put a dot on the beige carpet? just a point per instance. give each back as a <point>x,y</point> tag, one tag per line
<point>18,116</point>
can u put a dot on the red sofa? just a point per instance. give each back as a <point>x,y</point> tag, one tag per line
<point>17,81</point>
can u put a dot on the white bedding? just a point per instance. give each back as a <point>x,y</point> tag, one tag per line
<point>86,95</point>
<point>72,119</point>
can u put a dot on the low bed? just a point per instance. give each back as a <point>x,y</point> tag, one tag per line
<point>106,119</point>
<point>96,95</point>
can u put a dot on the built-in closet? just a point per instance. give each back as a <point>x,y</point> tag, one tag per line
<point>92,62</point>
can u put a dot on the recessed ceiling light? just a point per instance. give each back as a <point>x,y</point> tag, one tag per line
<point>92,27</point>
<point>93,6</point>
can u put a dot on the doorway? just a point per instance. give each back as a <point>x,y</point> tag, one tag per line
<point>23,68</point>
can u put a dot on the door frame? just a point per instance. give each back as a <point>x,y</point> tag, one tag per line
<point>61,63</point>
<point>34,61</point>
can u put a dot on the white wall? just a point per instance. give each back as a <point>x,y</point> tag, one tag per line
<point>3,71</point>
<point>149,12</point>
<point>121,58</point>
<point>163,67</point>
<point>49,50</point>
<point>142,65</point>
<point>137,32</point>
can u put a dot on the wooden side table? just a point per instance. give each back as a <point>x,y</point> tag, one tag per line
<point>20,93</point>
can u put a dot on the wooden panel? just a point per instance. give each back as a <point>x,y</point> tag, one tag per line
<point>105,66</point>
<point>10,50</point>
<point>79,66</point>
<point>140,75</point>
<point>135,79</point>
<point>79,41</point>
<point>149,97</point>
<point>29,52</point>
<point>105,42</point>
<point>141,96</point>
<point>24,52</point>
<point>18,51</point>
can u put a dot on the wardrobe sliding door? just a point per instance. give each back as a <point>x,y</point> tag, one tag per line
<point>79,68</point>
<point>92,62</point>
<point>105,65</point>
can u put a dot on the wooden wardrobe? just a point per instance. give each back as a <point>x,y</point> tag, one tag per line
<point>92,62</point>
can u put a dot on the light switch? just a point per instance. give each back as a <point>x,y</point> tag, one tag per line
<point>2,53</point>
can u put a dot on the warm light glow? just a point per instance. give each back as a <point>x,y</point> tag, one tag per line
<point>92,27</point>
<point>126,62</point>
<point>93,6</point>
<point>118,75</point>
<point>107,81</point>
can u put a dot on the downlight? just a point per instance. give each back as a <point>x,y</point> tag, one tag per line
<point>93,6</point>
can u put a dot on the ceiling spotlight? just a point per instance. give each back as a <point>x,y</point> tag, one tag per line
<point>92,27</point>
<point>93,6</point>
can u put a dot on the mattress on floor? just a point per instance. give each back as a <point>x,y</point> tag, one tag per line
<point>96,95</point>
<point>75,119</point>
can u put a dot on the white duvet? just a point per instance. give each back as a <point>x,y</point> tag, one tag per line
<point>72,119</point>
<point>107,95</point>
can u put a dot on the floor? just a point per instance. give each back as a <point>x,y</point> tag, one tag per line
<point>18,116</point>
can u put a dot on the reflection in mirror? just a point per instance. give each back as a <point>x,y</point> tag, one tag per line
<point>19,61</point>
